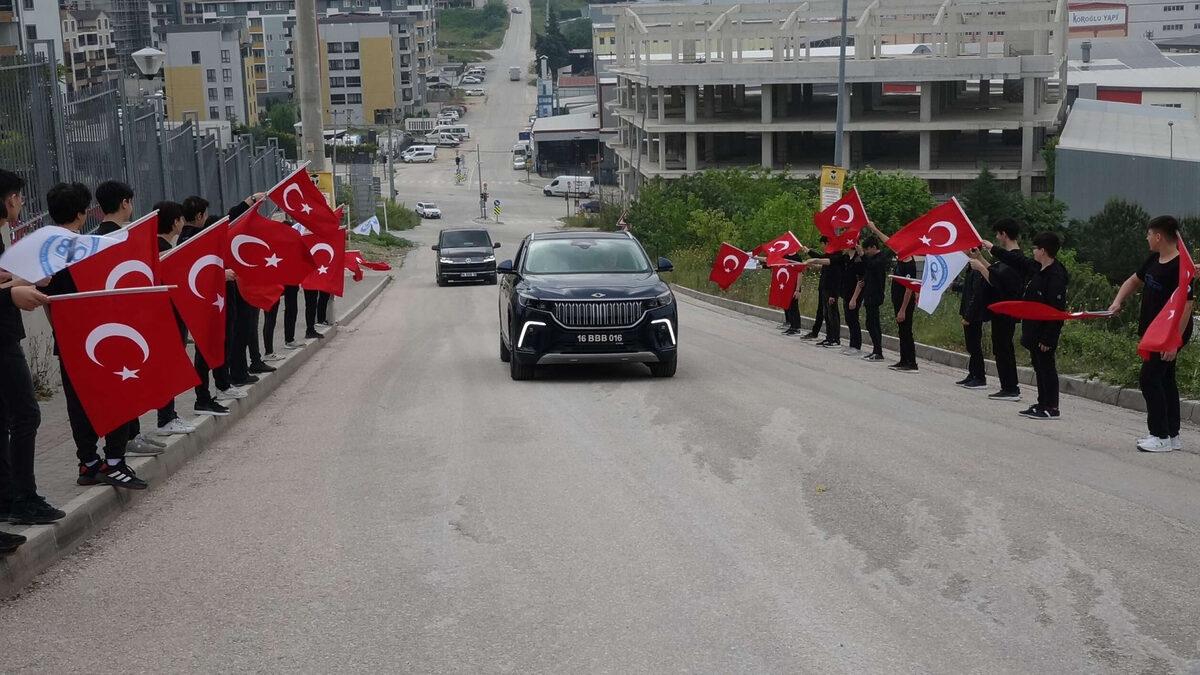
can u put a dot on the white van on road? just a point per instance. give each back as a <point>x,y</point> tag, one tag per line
<point>579,186</point>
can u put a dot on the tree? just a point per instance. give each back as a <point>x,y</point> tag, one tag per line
<point>1113,240</point>
<point>986,201</point>
<point>578,34</point>
<point>282,115</point>
<point>552,44</point>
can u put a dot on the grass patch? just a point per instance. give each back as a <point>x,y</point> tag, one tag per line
<point>465,55</point>
<point>473,28</point>
<point>537,14</point>
<point>1100,349</point>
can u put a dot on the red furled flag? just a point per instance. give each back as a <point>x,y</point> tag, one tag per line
<point>352,260</point>
<point>130,264</point>
<point>266,252</point>
<point>786,244</point>
<point>330,275</point>
<point>784,279</point>
<point>729,265</point>
<point>1040,311</point>
<point>301,200</point>
<point>122,351</point>
<point>945,229</point>
<point>377,266</point>
<point>196,270</point>
<point>911,284</point>
<point>842,222</point>
<point>1164,334</point>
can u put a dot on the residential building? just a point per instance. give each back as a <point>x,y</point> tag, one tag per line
<point>89,49</point>
<point>943,109</point>
<point>208,72</point>
<point>131,22</point>
<point>25,23</point>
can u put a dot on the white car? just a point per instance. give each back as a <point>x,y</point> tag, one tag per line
<point>428,210</point>
<point>470,80</point>
<point>476,92</point>
<point>421,156</point>
<point>517,10</point>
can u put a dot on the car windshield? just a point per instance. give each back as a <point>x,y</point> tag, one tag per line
<point>429,206</point>
<point>466,239</point>
<point>585,256</point>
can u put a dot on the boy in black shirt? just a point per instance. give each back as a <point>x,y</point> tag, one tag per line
<point>904,302</point>
<point>170,223</point>
<point>875,266</point>
<point>972,307</point>
<point>1048,285</point>
<point>1158,277</point>
<point>1004,282</point>
<point>851,277</point>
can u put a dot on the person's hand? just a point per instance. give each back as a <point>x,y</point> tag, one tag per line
<point>28,297</point>
<point>1043,347</point>
<point>987,244</point>
<point>966,323</point>
<point>796,295</point>
<point>853,305</point>
<point>900,316</point>
<point>973,253</point>
<point>5,277</point>
<point>230,275</point>
<point>833,302</point>
<point>1115,306</point>
<point>1170,356</point>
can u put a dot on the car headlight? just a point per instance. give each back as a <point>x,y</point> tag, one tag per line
<point>490,259</point>
<point>661,301</point>
<point>532,302</point>
<point>446,261</point>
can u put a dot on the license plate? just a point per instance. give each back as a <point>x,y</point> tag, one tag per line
<point>600,338</point>
<point>467,274</point>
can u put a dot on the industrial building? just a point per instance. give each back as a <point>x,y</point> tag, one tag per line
<point>943,109</point>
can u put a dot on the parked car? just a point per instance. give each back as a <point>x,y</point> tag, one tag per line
<point>470,80</point>
<point>465,254</point>
<point>517,10</point>
<point>418,157</point>
<point>590,206</point>
<point>476,92</point>
<point>448,141</point>
<point>575,186</point>
<point>428,210</point>
<point>519,162</point>
<point>457,107</point>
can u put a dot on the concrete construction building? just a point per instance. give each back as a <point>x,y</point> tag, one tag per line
<point>942,110</point>
<point>89,49</point>
<point>208,72</point>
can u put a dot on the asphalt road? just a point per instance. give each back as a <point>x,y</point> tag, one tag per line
<point>401,505</point>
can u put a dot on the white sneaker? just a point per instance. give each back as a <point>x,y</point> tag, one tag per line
<point>176,426</point>
<point>230,394</point>
<point>851,351</point>
<point>324,324</point>
<point>1176,442</point>
<point>143,438</point>
<point>140,446</point>
<point>1146,439</point>
<point>294,345</point>
<point>273,357</point>
<point>1154,444</point>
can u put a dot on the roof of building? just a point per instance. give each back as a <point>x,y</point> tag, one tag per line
<point>1188,42</point>
<point>583,121</point>
<point>1124,53</point>
<point>1176,77</point>
<point>84,14</point>
<point>198,27</point>
<point>1131,129</point>
<point>577,81</point>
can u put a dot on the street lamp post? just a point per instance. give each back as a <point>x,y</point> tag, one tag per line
<point>149,62</point>
<point>838,142</point>
<point>1171,128</point>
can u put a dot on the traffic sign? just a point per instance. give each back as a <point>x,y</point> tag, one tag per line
<point>496,203</point>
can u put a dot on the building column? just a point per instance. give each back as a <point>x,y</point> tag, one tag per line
<point>926,156</point>
<point>768,106</point>
<point>1029,91</point>
<point>662,95</point>
<point>927,101</point>
<point>710,101</point>
<point>691,151</point>
<point>985,91</point>
<point>768,149</point>
<point>739,95</point>
<point>1027,157</point>
<point>689,104</point>
<point>662,151</point>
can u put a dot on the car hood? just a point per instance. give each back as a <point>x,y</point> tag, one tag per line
<point>587,286</point>
<point>472,252</point>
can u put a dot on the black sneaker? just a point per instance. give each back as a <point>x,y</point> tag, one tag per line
<point>829,345</point>
<point>904,367</point>
<point>10,542</point>
<point>791,331</point>
<point>963,381</point>
<point>973,383</point>
<point>33,510</point>
<point>810,336</point>
<point>210,408</point>
<point>1003,395</point>
<point>249,379</point>
<point>873,357</point>
<point>1035,412</point>
<point>120,476</point>
<point>87,474</point>
<point>258,368</point>
<point>312,335</point>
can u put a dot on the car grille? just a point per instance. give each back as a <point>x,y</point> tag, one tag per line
<point>604,314</point>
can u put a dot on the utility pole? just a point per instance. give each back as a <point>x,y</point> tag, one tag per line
<point>839,141</point>
<point>391,172</point>
<point>479,170</point>
<point>308,85</point>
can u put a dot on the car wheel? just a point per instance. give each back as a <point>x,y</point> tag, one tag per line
<point>664,368</point>
<point>505,354</point>
<point>441,281</point>
<point>491,281</point>
<point>518,370</point>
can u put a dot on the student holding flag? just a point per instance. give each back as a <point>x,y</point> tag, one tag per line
<point>904,303</point>
<point>1005,283</point>
<point>972,307</point>
<point>875,266</point>
<point>1167,297</point>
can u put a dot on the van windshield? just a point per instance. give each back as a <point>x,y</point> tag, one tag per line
<point>466,239</point>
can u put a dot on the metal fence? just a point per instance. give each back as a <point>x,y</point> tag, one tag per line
<point>92,135</point>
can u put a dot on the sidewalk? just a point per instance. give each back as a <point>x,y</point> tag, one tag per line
<point>89,508</point>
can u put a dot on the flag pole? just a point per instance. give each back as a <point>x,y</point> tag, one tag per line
<point>111,291</point>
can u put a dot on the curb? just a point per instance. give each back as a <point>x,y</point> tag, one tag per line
<point>96,507</point>
<point>1130,399</point>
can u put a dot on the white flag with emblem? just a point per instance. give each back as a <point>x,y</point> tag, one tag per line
<point>50,249</point>
<point>939,272</point>
<point>368,226</point>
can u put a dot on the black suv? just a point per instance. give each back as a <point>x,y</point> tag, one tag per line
<point>585,297</point>
<point>465,254</point>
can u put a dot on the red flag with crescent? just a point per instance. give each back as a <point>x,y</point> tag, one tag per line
<point>729,265</point>
<point>944,229</point>
<point>784,281</point>
<point>911,284</point>
<point>842,222</point>
<point>786,244</point>
<point>1164,334</point>
<point>1040,311</point>
<point>122,352</point>
<point>303,201</point>
<point>130,264</point>
<point>196,269</point>
<point>329,253</point>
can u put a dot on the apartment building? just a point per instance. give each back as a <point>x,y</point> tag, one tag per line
<point>24,23</point>
<point>89,48</point>
<point>208,72</point>
<point>942,109</point>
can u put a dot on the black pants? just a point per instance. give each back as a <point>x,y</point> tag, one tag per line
<point>220,375</point>
<point>322,307</point>
<point>312,299</point>
<point>235,339</point>
<point>167,412</point>
<point>833,322</point>
<point>1046,371</point>
<point>84,434</point>
<point>290,310</point>
<point>792,314</point>
<point>1005,353</point>
<point>908,346</point>
<point>818,315</point>
<point>973,334</point>
<point>1161,392</point>
<point>852,324</point>
<point>20,418</point>
<point>875,329</point>
<point>245,332</point>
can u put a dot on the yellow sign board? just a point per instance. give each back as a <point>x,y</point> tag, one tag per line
<point>832,180</point>
<point>324,182</point>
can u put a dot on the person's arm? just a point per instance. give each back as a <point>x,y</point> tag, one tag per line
<point>883,238</point>
<point>23,297</point>
<point>1015,259</point>
<point>1056,293</point>
<point>858,285</point>
<point>903,313</point>
<point>1131,285</point>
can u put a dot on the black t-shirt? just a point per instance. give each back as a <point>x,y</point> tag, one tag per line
<point>904,268</point>
<point>11,327</point>
<point>874,278</point>
<point>60,284</point>
<point>107,227</point>
<point>850,272</point>
<point>1160,281</point>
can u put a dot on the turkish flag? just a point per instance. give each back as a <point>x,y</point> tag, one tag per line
<point>130,264</point>
<point>301,200</point>
<point>330,275</point>
<point>842,222</point>
<point>352,260</point>
<point>784,280</point>
<point>945,229</point>
<point>1164,334</point>
<point>1040,311</point>
<point>196,269</point>
<point>377,266</point>
<point>728,266</point>
<point>265,252</point>
<point>786,244</point>
<point>122,351</point>
<point>911,284</point>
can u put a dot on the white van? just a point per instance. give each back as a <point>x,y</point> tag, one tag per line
<point>417,148</point>
<point>569,185</point>
<point>459,130</point>
<point>420,156</point>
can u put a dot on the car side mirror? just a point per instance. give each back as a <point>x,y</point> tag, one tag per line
<point>505,267</point>
<point>496,245</point>
<point>435,247</point>
<point>665,265</point>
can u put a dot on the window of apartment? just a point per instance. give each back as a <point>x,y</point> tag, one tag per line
<point>226,75</point>
<point>334,47</point>
<point>228,92</point>
<point>212,93</point>
<point>255,22</point>
<point>353,81</point>
<point>259,68</point>
<point>228,112</point>
<point>1166,105</point>
<point>195,57</point>
<point>337,82</point>
<point>335,64</point>
<point>214,113</point>
<point>352,64</point>
<point>350,47</point>
<point>337,99</point>
<point>212,74</point>
<point>354,99</point>
<point>224,56</point>
<point>31,31</point>
<point>1172,27</point>
<point>1172,8</point>
<point>29,5</point>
